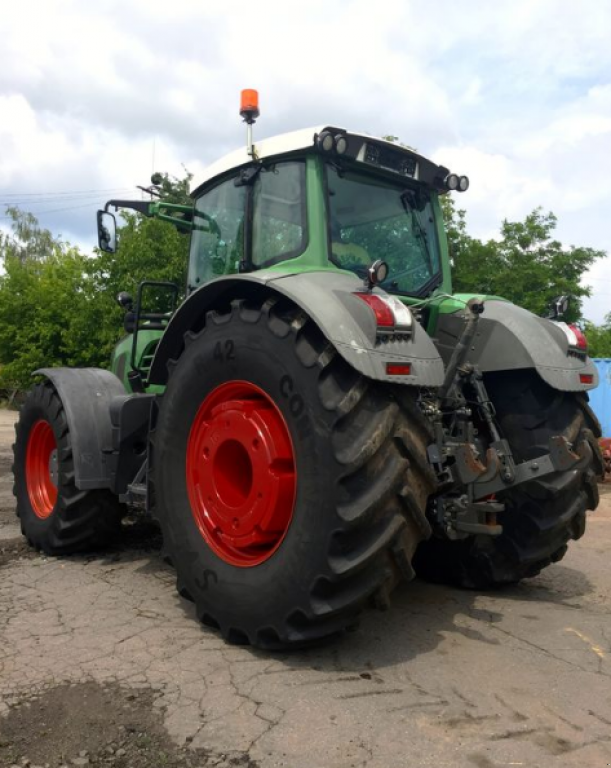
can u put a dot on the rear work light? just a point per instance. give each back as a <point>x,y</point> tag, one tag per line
<point>390,314</point>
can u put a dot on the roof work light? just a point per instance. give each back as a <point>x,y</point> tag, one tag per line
<point>456,183</point>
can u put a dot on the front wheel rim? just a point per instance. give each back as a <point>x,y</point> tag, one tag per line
<point>241,475</point>
<point>41,454</point>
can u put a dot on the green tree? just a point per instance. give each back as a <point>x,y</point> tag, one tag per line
<point>526,265</point>
<point>49,313</point>
<point>27,240</point>
<point>599,337</point>
<point>173,189</point>
<point>58,306</point>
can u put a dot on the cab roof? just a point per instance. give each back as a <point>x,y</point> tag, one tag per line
<point>304,139</point>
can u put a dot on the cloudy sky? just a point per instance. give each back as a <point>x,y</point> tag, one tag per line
<point>516,94</point>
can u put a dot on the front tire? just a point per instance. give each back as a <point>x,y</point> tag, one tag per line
<point>56,517</point>
<point>348,510</point>
<point>541,516</point>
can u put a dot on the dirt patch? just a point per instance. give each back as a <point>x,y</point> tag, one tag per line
<point>139,534</point>
<point>15,549</point>
<point>87,724</point>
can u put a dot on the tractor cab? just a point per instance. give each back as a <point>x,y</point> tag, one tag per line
<point>314,199</point>
<point>322,200</point>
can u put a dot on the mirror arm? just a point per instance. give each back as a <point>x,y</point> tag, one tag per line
<point>137,205</point>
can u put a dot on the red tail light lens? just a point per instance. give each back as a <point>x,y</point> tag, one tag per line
<point>398,369</point>
<point>390,313</point>
<point>575,336</point>
<point>582,342</point>
<point>384,314</point>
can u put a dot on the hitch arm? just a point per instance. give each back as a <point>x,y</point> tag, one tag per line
<point>560,458</point>
<point>475,307</point>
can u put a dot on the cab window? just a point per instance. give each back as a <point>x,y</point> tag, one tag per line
<point>217,242</point>
<point>279,214</point>
<point>372,218</point>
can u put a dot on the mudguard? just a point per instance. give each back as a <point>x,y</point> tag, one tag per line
<point>510,338</point>
<point>328,298</point>
<point>86,394</point>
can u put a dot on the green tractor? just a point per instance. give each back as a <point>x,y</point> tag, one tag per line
<point>319,418</point>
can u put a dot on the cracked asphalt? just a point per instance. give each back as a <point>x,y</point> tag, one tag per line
<point>446,677</point>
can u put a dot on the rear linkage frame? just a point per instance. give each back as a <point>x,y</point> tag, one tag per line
<point>470,469</point>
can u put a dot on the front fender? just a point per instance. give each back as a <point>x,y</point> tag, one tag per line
<point>86,394</point>
<point>510,338</point>
<point>327,297</point>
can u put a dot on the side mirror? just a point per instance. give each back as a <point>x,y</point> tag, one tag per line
<point>558,308</point>
<point>107,232</point>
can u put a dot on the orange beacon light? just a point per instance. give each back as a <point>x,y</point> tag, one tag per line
<point>249,105</point>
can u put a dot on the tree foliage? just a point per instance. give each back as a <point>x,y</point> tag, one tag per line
<point>49,309</point>
<point>27,241</point>
<point>58,306</point>
<point>526,264</point>
<point>599,337</point>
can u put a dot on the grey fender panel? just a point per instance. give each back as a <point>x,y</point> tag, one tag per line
<point>328,299</point>
<point>86,394</point>
<point>510,338</point>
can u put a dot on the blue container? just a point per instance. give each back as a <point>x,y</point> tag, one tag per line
<point>600,398</point>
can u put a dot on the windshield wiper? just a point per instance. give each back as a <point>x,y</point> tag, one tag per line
<point>409,201</point>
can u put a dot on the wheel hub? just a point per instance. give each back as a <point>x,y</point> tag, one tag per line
<point>241,477</point>
<point>41,469</point>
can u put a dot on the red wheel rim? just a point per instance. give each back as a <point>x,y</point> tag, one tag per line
<point>41,450</point>
<point>241,476</point>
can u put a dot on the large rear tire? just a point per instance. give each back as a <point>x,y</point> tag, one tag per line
<point>541,516</point>
<point>285,548</point>
<point>56,517</point>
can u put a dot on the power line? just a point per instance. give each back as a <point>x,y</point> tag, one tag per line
<point>65,192</point>
<point>30,202</point>
<point>90,204</point>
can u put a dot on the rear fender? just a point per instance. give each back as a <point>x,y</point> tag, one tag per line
<point>510,338</point>
<point>328,298</point>
<point>86,394</point>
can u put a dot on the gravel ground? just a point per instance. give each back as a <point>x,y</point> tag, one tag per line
<point>102,664</point>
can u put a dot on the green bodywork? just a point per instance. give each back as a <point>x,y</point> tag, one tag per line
<point>121,356</point>
<point>315,257</point>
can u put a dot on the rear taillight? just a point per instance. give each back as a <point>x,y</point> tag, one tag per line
<point>385,317</point>
<point>582,342</point>
<point>575,336</point>
<point>398,369</point>
<point>390,313</point>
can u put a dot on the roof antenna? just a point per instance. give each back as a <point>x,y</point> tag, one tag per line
<point>249,111</point>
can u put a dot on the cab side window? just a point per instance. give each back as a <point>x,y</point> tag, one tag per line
<point>279,214</point>
<point>217,242</point>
